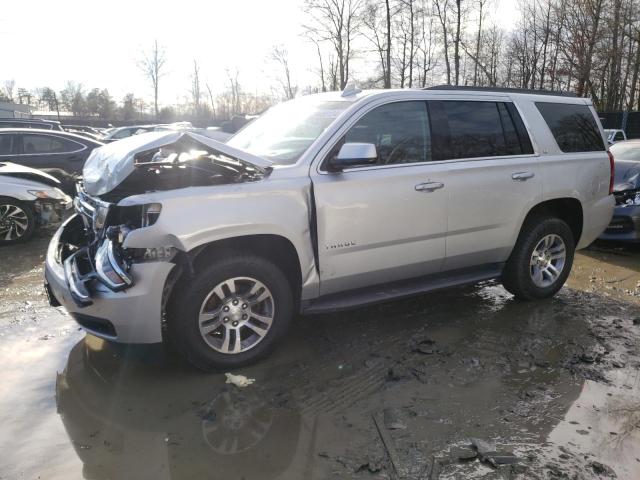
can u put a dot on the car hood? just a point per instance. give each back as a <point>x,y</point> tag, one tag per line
<point>108,166</point>
<point>627,175</point>
<point>13,170</point>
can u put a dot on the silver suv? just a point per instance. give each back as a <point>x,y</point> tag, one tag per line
<point>328,202</point>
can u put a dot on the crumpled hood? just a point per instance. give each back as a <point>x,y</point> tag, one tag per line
<point>109,165</point>
<point>19,171</point>
<point>627,175</point>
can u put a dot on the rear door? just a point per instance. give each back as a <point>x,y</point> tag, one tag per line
<point>493,178</point>
<point>383,222</point>
<point>41,150</point>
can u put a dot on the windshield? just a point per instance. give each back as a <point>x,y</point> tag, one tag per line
<point>285,131</point>
<point>626,151</point>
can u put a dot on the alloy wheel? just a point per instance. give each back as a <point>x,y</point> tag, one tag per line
<point>547,260</point>
<point>13,222</point>
<point>236,315</point>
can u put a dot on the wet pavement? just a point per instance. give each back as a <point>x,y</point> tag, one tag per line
<point>466,383</point>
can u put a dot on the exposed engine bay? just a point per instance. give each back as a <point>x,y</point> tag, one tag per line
<point>185,163</point>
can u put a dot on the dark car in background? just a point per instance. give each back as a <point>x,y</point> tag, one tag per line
<point>625,224</point>
<point>30,123</point>
<point>61,154</point>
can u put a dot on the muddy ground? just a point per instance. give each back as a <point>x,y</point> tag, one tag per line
<point>466,383</point>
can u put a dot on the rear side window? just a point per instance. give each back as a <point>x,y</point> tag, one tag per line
<point>6,144</point>
<point>470,129</point>
<point>573,126</point>
<point>41,144</point>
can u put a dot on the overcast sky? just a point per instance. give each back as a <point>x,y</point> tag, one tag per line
<point>46,43</point>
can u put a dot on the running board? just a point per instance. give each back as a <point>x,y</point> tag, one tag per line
<point>400,289</point>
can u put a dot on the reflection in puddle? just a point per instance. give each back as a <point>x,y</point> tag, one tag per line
<point>605,422</point>
<point>126,423</point>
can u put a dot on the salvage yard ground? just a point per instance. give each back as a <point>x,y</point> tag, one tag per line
<point>465,383</point>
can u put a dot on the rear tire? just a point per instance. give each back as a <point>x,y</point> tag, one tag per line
<point>17,221</point>
<point>232,313</point>
<point>541,259</point>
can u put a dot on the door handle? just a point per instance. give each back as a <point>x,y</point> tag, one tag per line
<point>429,186</point>
<point>522,176</point>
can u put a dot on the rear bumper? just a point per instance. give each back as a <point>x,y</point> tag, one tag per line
<point>130,316</point>
<point>596,217</point>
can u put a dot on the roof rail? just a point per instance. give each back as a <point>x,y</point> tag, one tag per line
<point>502,89</point>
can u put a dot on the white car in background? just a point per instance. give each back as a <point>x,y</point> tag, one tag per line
<point>614,136</point>
<point>29,199</point>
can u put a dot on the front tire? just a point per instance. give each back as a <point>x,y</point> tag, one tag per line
<point>541,259</point>
<point>232,313</point>
<point>17,221</point>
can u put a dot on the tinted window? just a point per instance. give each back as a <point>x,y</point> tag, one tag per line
<point>36,144</point>
<point>573,126</point>
<point>400,132</point>
<point>619,136</point>
<point>475,129</point>
<point>469,129</point>
<point>6,144</point>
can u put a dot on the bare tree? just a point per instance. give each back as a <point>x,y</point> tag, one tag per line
<point>195,88</point>
<point>9,85</point>
<point>280,55</point>
<point>337,22</point>
<point>152,65</point>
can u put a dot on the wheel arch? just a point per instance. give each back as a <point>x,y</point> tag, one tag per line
<point>568,209</point>
<point>273,247</point>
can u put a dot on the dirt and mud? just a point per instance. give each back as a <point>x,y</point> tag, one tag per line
<point>465,383</point>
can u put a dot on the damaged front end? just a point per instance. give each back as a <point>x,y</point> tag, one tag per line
<point>93,248</point>
<point>627,198</point>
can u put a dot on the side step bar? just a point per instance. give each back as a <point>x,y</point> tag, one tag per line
<point>400,289</point>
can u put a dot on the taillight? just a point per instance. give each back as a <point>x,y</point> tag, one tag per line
<point>613,168</point>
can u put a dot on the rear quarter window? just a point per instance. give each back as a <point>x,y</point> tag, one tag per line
<point>573,126</point>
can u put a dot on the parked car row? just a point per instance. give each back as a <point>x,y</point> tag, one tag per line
<point>29,199</point>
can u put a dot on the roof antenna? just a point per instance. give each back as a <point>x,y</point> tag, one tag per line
<point>350,89</point>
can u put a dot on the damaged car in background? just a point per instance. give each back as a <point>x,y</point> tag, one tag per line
<point>625,224</point>
<point>29,199</point>
<point>324,203</point>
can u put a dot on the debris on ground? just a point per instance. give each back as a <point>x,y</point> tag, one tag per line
<point>239,380</point>
<point>392,419</point>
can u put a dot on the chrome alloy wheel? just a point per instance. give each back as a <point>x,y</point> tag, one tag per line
<point>547,260</point>
<point>13,222</point>
<point>236,315</point>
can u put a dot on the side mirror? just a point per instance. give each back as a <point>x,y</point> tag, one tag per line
<point>353,155</point>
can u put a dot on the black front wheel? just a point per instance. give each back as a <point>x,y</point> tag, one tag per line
<point>541,260</point>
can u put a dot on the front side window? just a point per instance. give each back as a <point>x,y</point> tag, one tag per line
<point>400,132</point>
<point>573,126</point>
<point>42,144</point>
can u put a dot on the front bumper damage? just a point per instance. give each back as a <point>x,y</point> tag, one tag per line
<point>625,224</point>
<point>130,315</point>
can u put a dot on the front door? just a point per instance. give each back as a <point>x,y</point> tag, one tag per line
<point>384,221</point>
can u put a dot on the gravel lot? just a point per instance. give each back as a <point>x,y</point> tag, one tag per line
<point>466,383</point>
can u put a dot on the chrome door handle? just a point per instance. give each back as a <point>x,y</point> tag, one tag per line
<point>522,176</point>
<point>429,186</point>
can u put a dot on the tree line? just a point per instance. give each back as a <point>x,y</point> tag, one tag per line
<point>589,47</point>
